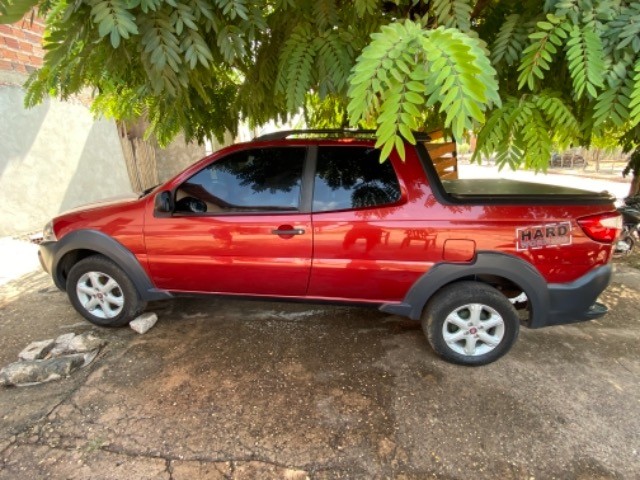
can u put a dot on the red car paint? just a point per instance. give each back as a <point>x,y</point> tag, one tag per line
<point>371,255</point>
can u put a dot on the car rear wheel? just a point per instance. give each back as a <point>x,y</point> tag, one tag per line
<point>102,293</point>
<point>470,323</point>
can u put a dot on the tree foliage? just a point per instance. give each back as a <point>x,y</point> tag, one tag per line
<point>413,67</point>
<point>529,75</point>
<point>583,54</point>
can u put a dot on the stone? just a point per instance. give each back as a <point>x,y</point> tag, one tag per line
<point>144,322</point>
<point>70,343</point>
<point>33,372</point>
<point>37,350</point>
<point>87,342</point>
<point>65,338</point>
<point>51,359</point>
<point>62,343</point>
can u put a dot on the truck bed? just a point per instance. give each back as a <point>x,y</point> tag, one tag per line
<point>514,191</point>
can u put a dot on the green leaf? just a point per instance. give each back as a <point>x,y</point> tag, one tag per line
<point>13,11</point>
<point>538,56</point>
<point>453,13</point>
<point>386,149</point>
<point>586,65</point>
<point>399,143</point>
<point>113,19</point>
<point>414,97</point>
<point>634,103</point>
<point>406,132</point>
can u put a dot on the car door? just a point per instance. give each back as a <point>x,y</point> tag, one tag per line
<point>359,228</point>
<point>238,227</point>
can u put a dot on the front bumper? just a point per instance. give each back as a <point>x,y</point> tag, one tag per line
<point>46,254</point>
<point>576,301</point>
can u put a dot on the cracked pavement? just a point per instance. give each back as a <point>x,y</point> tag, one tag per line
<point>237,389</point>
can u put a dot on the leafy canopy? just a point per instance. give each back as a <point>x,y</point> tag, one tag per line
<point>567,75</point>
<point>529,75</point>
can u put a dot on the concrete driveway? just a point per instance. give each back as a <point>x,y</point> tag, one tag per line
<point>238,389</point>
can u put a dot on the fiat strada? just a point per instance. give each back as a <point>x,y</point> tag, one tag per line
<point>315,216</point>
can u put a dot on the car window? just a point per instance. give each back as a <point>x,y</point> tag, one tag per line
<point>353,177</point>
<point>260,179</point>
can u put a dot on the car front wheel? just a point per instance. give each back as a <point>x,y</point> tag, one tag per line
<point>102,293</point>
<point>470,323</point>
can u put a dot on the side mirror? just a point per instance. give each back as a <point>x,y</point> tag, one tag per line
<point>164,202</point>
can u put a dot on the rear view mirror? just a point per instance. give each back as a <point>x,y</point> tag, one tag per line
<point>164,202</point>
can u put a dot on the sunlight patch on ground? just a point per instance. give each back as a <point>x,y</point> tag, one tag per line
<point>17,258</point>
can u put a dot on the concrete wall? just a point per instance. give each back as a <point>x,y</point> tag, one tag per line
<point>176,157</point>
<point>52,158</point>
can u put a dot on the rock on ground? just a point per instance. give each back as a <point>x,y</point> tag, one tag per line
<point>144,322</point>
<point>37,350</point>
<point>32,372</point>
<point>48,360</point>
<point>71,343</point>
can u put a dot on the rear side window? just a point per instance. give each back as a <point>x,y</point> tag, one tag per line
<point>353,178</point>
<point>251,180</point>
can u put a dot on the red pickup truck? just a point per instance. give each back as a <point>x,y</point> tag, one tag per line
<point>314,215</point>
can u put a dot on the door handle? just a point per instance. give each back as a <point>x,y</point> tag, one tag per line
<point>293,231</point>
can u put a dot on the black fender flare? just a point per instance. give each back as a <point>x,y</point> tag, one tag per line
<point>503,265</point>
<point>103,244</point>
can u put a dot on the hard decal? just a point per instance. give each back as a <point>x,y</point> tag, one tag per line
<point>541,236</point>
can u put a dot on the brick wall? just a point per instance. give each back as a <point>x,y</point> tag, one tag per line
<point>21,46</point>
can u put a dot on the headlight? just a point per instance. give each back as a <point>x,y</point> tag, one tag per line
<point>48,235</point>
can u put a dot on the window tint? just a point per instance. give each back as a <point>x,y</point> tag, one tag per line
<point>252,180</point>
<point>353,177</point>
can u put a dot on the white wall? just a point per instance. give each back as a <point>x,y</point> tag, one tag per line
<point>52,158</point>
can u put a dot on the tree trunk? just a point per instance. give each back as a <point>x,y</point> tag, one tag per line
<point>596,158</point>
<point>139,155</point>
<point>634,189</point>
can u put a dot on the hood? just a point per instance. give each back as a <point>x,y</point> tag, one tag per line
<point>117,200</point>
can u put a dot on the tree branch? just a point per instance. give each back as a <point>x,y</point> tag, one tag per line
<point>480,6</point>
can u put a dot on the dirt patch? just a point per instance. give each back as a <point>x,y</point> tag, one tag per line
<point>631,260</point>
<point>237,389</point>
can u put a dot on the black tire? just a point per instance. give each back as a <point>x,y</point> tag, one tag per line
<point>449,306</point>
<point>98,269</point>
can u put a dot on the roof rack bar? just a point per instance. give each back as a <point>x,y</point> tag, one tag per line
<point>323,131</point>
<point>424,137</point>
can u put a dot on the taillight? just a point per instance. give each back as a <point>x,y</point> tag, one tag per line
<point>603,227</point>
